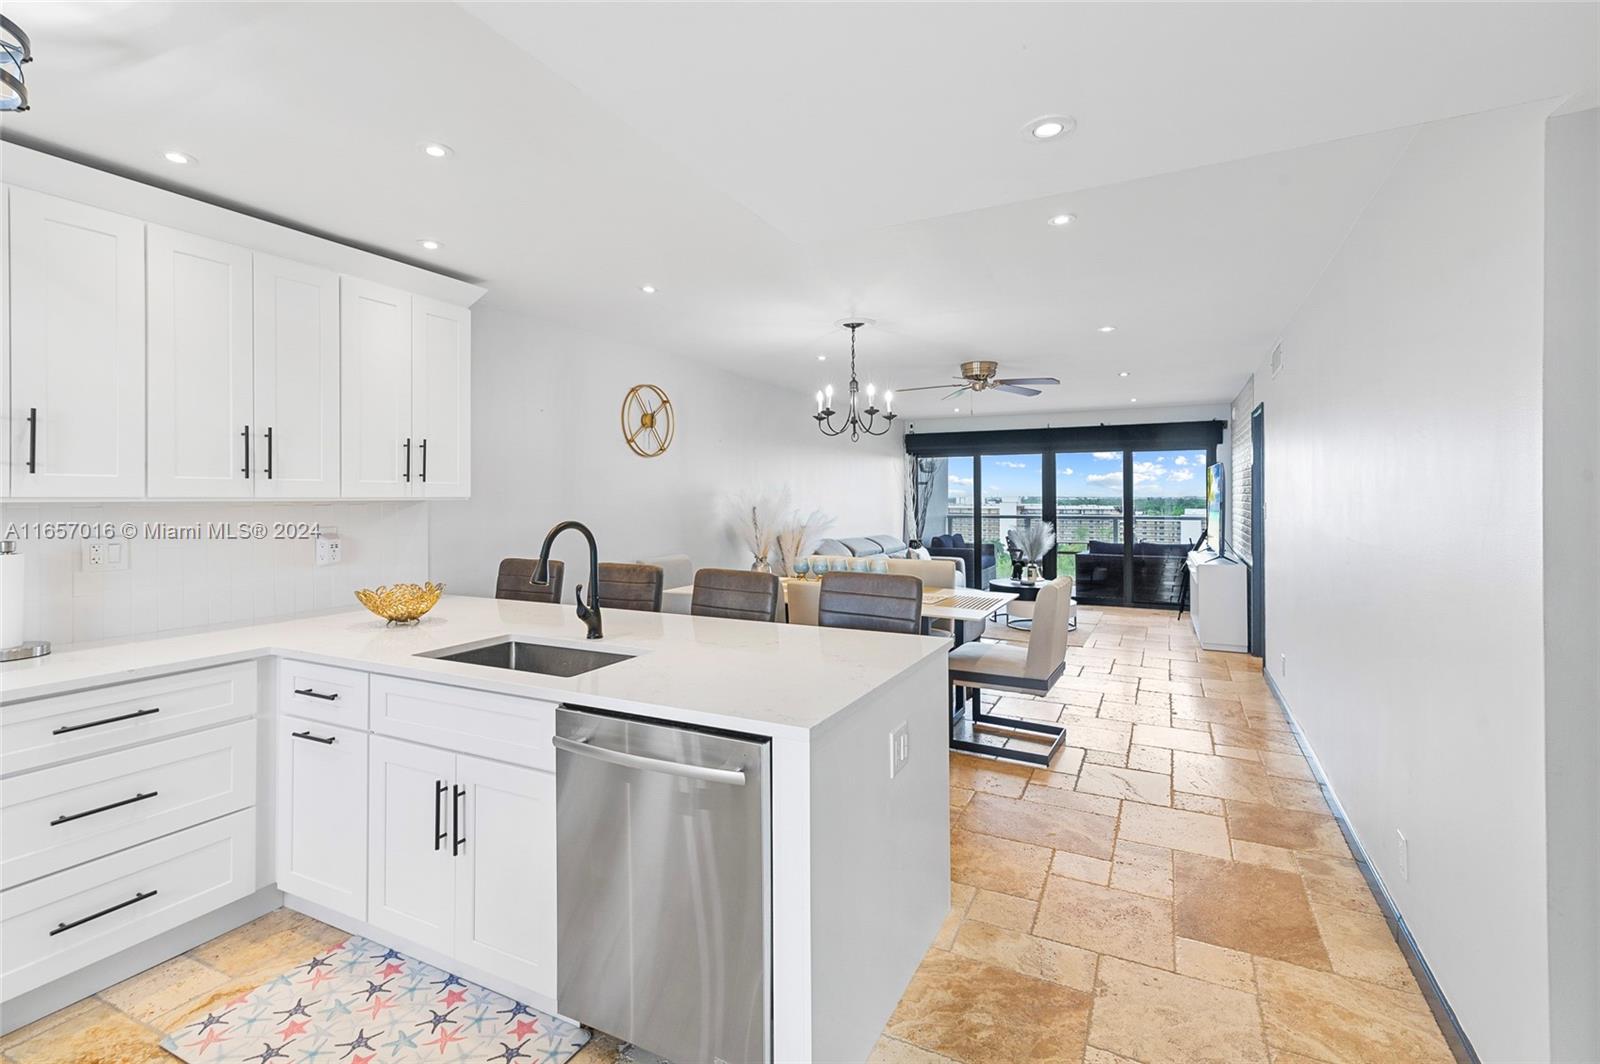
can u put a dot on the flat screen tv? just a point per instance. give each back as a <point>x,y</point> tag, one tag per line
<point>1216,489</point>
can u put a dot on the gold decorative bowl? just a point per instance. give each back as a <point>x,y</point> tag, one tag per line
<point>401,603</point>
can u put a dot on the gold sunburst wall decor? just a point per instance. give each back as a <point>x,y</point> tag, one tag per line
<point>648,421</point>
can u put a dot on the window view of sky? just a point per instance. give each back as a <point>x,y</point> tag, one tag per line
<point>1155,473</point>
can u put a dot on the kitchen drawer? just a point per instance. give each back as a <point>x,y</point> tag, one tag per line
<point>323,692</point>
<point>62,923</point>
<point>500,727</point>
<point>65,815</point>
<point>52,730</point>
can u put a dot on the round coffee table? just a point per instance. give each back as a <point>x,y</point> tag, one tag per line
<point>1024,593</point>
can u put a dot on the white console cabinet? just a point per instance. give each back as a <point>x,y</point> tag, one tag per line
<point>1219,601</point>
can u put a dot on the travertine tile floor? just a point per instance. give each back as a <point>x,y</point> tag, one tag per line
<point>1174,891</point>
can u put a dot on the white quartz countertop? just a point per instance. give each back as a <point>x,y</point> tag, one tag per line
<point>769,678</point>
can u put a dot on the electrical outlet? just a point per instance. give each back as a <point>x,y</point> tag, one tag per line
<point>104,556</point>
<point>899,749</point>
<point>1405,855</point>
<point>329,550</point>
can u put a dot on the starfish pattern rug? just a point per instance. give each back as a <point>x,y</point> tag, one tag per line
<point>363,1003</point>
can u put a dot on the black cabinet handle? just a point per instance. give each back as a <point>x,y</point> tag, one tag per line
<point>33,439</point>
<point>424,459</point>
<point>458,843</point>
<point>246,435</point>
<point>91,812</point>
<point>269,452</point>
<point>309,693</point>
<point>408,460</point>
<point>438,814</point>
<point>329,741</point>
<point>65,728</point>
<point>141,896</point>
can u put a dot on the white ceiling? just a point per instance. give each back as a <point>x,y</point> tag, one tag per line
<point>775,167</point>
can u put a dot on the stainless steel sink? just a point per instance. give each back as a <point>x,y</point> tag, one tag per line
<point>545,658</point>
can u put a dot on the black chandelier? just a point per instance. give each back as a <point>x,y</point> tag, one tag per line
<point>15,50</point>
<point>854,421</point>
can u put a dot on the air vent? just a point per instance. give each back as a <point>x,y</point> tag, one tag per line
<point>1277,359</point>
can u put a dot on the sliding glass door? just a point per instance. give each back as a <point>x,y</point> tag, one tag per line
<point>1013,503</point>
<point>1169,518</point>
<point>1089,526</point>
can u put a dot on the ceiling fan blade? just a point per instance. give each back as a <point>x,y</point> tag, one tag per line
<point>1014,390</point>
<point>955,393</point>
<point>1028,380</point>
<point>924,388</point>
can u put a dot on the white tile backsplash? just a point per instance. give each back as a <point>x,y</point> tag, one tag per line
<point>180,584</point>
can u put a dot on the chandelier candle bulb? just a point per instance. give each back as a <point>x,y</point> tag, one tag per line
<point>888,402</point>
<point>819,402</point>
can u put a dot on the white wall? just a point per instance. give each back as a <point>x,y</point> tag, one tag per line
<point>547,446</point>
<point>1572,584</point>
<point>171,585</point>
<point>1407,640</point>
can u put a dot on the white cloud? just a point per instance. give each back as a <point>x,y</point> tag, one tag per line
<point>1108,456</point>
<point>1149,469</point>
<point>1012,465</point>
<point>1144,478</point>
<point>961,480</point>
<point>1063,472</point>
<point>1104,478</point>
<point>1180,475</point>
<point>1180,460</point>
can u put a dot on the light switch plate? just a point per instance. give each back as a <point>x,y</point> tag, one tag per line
<point>899,749</point>
<point>1405,855</point>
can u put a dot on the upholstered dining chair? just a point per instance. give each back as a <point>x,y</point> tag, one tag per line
<point>515,581</point>
<point>630,586</point>
<point>1031,669</point>
<point>876,602</point>
<point>739,594</point>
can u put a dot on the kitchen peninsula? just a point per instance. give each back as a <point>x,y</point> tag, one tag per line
<point>279,762</point>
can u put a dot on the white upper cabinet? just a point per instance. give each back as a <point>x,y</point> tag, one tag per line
<point>441,401</point>
<point>296,423</point>
<point>200,370</point>
<point>77,352</point>
<point>378,458</point>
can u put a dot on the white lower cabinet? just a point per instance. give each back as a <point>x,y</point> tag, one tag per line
<point>462,859</point>
<point>322,814</point>
<point>506,872</point>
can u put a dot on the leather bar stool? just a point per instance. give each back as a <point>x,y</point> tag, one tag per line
<point>875,602</point>
<point>630,586</point>
<point>515,581</point>
<point>739,594</point>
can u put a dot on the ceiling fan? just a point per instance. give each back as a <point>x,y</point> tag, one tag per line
<point>980,377</point>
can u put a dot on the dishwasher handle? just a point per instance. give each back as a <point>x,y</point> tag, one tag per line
<point>583,748</point>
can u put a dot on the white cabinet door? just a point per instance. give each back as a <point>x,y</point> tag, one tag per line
<point>506,873</point>
<point>200,368</point>
<point>441,367</point>
<point>296,380</point>
<point>378,456</point>
<point>322,814</point>
<point>410,872</point>
<point>77,413</point>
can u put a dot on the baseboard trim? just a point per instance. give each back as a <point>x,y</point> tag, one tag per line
<point>1449,1024</point>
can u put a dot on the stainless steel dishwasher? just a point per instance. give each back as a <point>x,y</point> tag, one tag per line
<point>664,885</point>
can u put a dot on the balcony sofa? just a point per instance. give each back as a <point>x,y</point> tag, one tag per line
<point>976,559</point>
<point>1156,571</point>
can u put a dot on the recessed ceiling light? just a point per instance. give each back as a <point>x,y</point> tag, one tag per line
<point>1108,328</point>
<point>179,158</point>
<point>1062,219</point>
<point>648,289</point>
<point>957,409</point>
<point>435,150</point>
<point>1124,373</point>
<point>429,245</point>
<point>822,358</point>
<point>1049,127</point>
<point>1133,400</point>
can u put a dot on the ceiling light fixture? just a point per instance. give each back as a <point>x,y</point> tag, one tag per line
<point>1061,219</point>
<point>1133,400</point>
<point>648,289</point>
<point>429,245</point>
<point>1049,127</point>
<point>435,150</point>
<point>856,421</point>
<point>822,358</point>
<point>1124,373</point>
<point>15,50</point>
<point>1108,328</point>
<point>179,158</point>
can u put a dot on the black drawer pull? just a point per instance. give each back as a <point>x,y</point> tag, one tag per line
<point>91,812</point>
<point>459,842</point>
<point>141,896</point>
<point>329,741</point>
<point>65,728</point>
<point>309,693</point>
